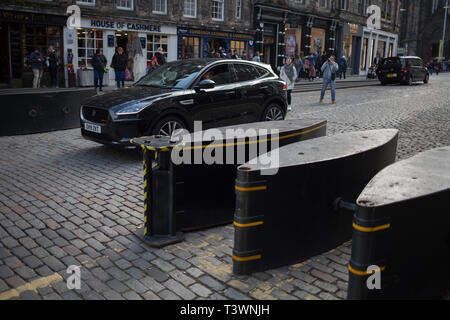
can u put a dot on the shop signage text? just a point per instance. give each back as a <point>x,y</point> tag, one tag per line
<point>108,24</point>
<point>215,34</point>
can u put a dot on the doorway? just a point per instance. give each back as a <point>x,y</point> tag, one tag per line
<point>122,41</point>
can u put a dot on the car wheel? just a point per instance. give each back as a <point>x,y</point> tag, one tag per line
<point>410,80</point>
<point>166,126</point>
<point>273,112</point>
<point>427,77</point>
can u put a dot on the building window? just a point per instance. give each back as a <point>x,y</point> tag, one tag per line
<point>344,4</point>
<point>125,4</point>
<point>323,3</point>
<point>239,46</point>
<point>89,41</point>
<point>364,54</point>
<point>238,9</point>
<point>434,6</point>
<point>191,48</point>
<point>153,43</point>
<point>190,8</point>
<point>300,1</point>
<point>361,8</point>
<point>388,10</point>
<point>86,2</point>
<point>160,6</point>
<point>217,11</point>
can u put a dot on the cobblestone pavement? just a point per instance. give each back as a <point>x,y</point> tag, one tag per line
<point>67,201</point>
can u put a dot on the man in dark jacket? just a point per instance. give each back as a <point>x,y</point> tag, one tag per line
<point>99,64</point>
<point>36,61</point>
<point>119,63</point>
<point>53,66</point>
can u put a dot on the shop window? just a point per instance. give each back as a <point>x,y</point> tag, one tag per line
<point>153,43</point>
<point>86,2</point>
<point>41,38</point>
<point>191,47</point>
<point>160,6</point>
<point>89,41</point>
<point>239,46</point>
<point>190,8</point>
<point>125,4</point>
<point>364,54</point>
<point>217,10</point>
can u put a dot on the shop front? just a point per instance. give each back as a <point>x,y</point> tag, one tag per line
<point>351,46</point>
<point>376,43</point>
<point>293,39</point>
<point>139,40</point>
<point>196,43</point>
<point>21,33</point>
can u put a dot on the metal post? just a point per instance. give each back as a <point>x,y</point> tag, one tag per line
<point>443,32</point>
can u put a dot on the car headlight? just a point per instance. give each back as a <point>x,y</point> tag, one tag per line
<point>134,108</point>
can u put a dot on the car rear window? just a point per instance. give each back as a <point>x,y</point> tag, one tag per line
<point>394,62</point>
<point>245,72</point>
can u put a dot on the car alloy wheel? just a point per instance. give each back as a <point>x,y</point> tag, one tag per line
<point>427,77</point>
<point>410,80</point>
<point>274,113</point>
<point>167,126</point>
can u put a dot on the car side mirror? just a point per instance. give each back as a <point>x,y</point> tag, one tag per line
<point>205,84</point>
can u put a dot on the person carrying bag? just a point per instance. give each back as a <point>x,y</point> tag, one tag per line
<point>329,69</point>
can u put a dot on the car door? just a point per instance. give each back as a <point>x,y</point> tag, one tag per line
<point>212,106</point>
<point>251,91</point>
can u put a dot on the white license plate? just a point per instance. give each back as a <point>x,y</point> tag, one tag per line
<point>92,127</point>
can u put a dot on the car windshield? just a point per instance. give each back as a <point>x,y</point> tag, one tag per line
<point>172,76</point>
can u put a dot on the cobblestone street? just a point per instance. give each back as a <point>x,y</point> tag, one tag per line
<point>68,201</point>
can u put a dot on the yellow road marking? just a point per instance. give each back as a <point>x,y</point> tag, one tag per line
<point>32,286</point>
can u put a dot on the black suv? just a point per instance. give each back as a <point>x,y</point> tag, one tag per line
<point>218,92</point>
<point>402,70</point>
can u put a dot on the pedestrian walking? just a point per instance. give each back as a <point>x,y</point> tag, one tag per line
<point>99,63</point>
<point>288,74</point>
<point>342,67</point>
<point>244,55</point>
<point>235,55</point>
<point>119,63</point>
<point>37,61</point>
<point>159,54</point>
<point>329,69</point>
<point>298,64</point>
<point>311,69</point>
<point>256,57</point>
<point>53,66</point>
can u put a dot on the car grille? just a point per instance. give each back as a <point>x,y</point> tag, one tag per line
<point>95,114</point>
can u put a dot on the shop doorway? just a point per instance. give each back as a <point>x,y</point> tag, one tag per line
<point>216,44</point>
<point>122,41</point>
<point>4,56</point>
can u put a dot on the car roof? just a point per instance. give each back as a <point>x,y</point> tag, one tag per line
<point>209,61</point>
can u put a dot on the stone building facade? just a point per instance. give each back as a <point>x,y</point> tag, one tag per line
<point>337,27</point>
<point>182,28</point>
<point>422,28</point>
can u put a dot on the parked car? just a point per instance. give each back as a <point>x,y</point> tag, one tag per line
<point>218,92</point>
<point>402,70</point>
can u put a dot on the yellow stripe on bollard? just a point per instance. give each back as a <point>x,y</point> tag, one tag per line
<point>371,229</point>
<point>363,273</point>
<point>250,258</point>
<point>250,188</point>
<point>246,225</point>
